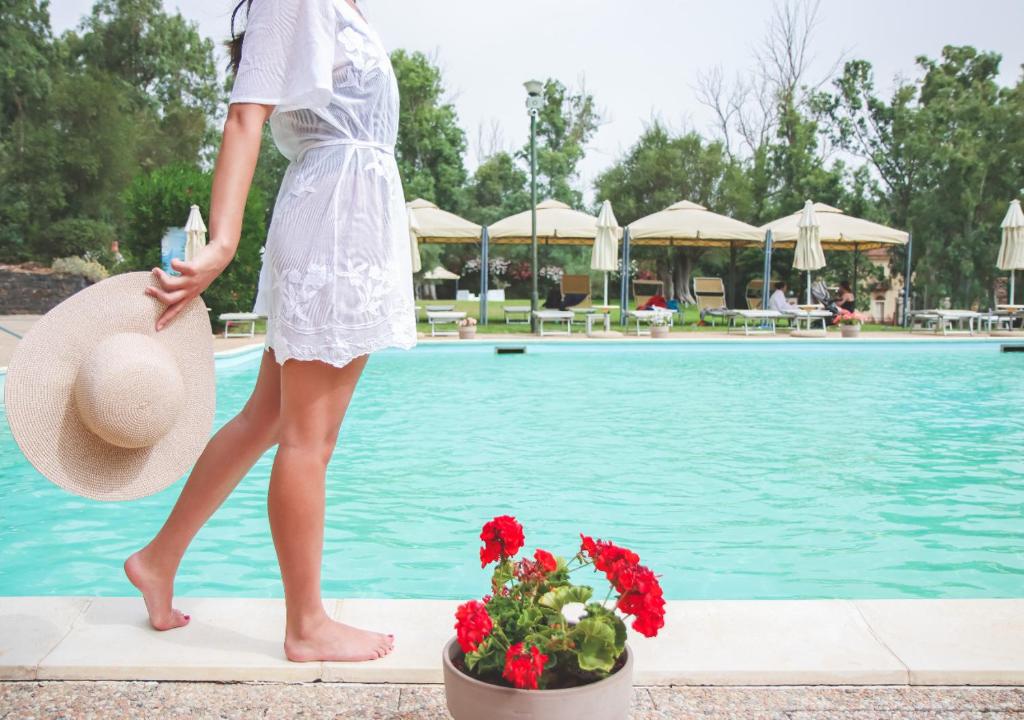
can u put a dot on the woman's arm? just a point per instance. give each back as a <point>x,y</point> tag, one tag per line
<point>232,178</point>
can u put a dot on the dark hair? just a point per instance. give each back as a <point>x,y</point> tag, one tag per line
<point>845,285</point>
<point>235,43</point>
<point>780,285</point>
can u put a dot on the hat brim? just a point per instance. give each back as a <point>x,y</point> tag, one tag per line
<point>40,405</point>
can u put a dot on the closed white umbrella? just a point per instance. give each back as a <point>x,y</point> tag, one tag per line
<point>809,255</point>
<point>195,234</point>
<point>1011,251</point>
<point>605,254</point>
<point>414,244</point>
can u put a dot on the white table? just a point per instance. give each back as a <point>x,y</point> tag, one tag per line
<point>599,311</point>
<point>558,316</point>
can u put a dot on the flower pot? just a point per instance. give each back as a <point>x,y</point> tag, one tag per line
<point>659,331</point>
<point>849,331</point>
<point>472,699</point>
<point>467,332</point>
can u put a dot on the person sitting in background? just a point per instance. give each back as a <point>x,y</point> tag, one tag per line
<point>778,300</point>
<point>846,297</point>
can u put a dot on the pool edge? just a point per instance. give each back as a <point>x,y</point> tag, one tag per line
<point>756,642</point>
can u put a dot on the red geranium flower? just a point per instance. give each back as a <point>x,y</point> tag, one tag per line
<point>472,625</point>
<point>645,601</point>
<point>503,537</point>
<point>522,668</point>
<point>545,560</point>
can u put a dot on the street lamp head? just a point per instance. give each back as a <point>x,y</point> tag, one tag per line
<point>533,87</point>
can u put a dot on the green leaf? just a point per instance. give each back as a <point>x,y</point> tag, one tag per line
<point>560,597</point>
<point>595,643</point>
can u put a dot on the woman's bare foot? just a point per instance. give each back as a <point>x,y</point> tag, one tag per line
<point>330,641</point>
<point>157,590</point>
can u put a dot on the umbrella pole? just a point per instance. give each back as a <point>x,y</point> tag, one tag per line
<point>484,273</point>
<point>856,256</point>
<point>906,281</point>
<point>732,275</point>
<point>1013,276</point>
<point>767,269</point>
<point>606,288</point>
<point>808,287</point>
<point>624,278</point>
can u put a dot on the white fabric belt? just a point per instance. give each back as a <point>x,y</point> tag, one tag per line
<point>389,149</point>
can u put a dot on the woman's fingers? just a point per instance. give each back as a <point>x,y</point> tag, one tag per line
<point>170,282</point>
<point>167,298</point>
<point>185,268</point>
<point>169,314</point>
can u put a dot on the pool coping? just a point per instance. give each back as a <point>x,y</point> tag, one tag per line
<point>743,642</point>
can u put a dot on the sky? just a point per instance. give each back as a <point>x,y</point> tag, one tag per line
<point>641,60</point>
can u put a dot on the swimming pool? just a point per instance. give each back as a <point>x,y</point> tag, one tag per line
<point>768,469</point>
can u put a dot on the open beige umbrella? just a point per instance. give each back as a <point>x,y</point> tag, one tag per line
<point>687,223</point>
<point>440,273</point>
<point>434,225</point>
<point>1011,250</point>
<point>195,234</point>
<point>605,255</point>
<point>557,224</point>
<point>808,255</point>
<point>836,230</point>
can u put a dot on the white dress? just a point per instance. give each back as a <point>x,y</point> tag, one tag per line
<point>336,281</point>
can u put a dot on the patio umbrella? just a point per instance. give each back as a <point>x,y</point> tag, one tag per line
<point>687,224</point>
<point>195,232</point>
<point>605,255</point>
<point>557,224</point>
<point>809,255</point>
<point>440,273</point>
<point>1011,251</point>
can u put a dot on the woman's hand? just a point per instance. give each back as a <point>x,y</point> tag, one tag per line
<point>176,292</point>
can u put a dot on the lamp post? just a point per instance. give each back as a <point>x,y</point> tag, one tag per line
<point>534,102</point>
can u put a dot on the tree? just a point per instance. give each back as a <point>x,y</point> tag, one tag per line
<point>947,150</point>
<point>430,142</point>
<point>498,189</point>
<point>566,122</point>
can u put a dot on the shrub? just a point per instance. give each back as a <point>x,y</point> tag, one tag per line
<point>76,236</point>
<point>160,200</point>
<point>89,269</point>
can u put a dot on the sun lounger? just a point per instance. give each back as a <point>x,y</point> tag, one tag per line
<point>947,322</point>
<point>517,314</point>
<point>449,317</point>
<point>763,321</point>
<point>796,316</point>
<point>710,295</point>
<point>648,316</point>
<point>555,316</point>
<point>234,319</point>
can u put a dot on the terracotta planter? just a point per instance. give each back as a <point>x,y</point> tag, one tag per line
<point>467,332</point>
<point>471,699</point>
<point>850,331</point>
<point>659,331</point>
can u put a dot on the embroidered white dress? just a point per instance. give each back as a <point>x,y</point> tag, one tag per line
<point>336,281</point>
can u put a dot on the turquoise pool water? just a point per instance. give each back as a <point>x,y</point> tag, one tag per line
<point>736,470</point>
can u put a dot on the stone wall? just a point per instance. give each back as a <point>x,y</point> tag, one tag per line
<point>34,291</point>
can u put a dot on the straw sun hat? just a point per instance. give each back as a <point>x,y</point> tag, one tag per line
<point>102,404</point>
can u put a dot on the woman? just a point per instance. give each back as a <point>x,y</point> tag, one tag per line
<point>336,285</point>
<point>846,299</point>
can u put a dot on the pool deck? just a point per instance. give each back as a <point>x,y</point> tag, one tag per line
<point>20,324</point>
<point>722,643</point>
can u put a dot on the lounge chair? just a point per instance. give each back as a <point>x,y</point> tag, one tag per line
<point>755,294</point>
<point>764,321</point>
<point>573,287</point>
<point>710,294</point>
<point>643,291</point>
<point>230,319</point>
<point>556,316</point>
<point>943,321</point>
<point>517,314</point>
<point>443,317</point>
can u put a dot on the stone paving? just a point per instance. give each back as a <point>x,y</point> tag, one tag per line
<point>101,700</point>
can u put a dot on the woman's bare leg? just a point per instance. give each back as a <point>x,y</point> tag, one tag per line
<point>227,458</point>
<point>314,398</point>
